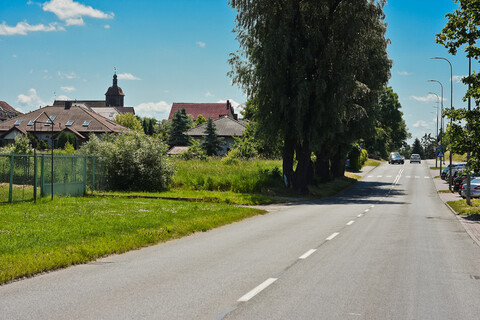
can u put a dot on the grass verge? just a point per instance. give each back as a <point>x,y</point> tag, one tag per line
<point>68,231</point>
<point>470,212</point>
<point>372,163</point>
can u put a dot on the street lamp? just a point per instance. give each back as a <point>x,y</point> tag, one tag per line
<point>438,101</point>
<point>451,106</point>
<point>441,122</point>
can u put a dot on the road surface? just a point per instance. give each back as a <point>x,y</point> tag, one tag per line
<point>387,248</point>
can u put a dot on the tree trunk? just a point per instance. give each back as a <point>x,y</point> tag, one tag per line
<point>338,165</point>
<point>322,168</point>
<point>304,171</point>
<point>288,153</point>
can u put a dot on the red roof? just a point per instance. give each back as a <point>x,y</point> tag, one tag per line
<point>208,110</point>
<point>5,106</point>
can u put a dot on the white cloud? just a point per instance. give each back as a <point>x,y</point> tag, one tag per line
<point>127,76</point>
<point>404,73</point>
<point>208,94</point>
<point>14,55</point>
<point>30,100</point>
<point>63,97</point>
<point>201,44</point>
<point>71,75</point>
<point>23,28</point>
<point>72,12</point>
<point>421,123</point>
<point>107,26</point>
<point>458,79</point>
<point>68,89</point>
<point>157,110</point>
<point>428,98</point>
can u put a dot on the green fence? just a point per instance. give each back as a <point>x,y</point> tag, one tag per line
<point>24,177</point>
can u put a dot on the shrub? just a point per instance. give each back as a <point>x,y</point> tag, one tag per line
<point>133,161</point>
<point>66,137</point>
<point>357,157</point>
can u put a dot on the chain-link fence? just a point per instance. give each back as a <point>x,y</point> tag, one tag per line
<point>63,175</point>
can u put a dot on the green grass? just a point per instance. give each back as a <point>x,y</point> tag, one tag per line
<point>456,157</point>
<point>227,197</point>
<point>255,176</point>
<point>372,163</point>
<point>331,188</point>
<point>444,191</point>
<point>68,231</point>
<point>471,212</point>
<point>19,192</point>
<point>435,168</point>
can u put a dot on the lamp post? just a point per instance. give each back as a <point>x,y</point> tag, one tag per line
<point>468,153</point>
<point>441,122</point>
<point>451,106</point>
<point>438,100</point>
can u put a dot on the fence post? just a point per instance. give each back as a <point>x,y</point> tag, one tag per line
<point>10,189</point>
<point>84,174</point>
<point>42,176</point>
<point>93,173</point>
<point>35,178</point>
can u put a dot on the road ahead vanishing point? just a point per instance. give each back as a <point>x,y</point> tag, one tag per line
<point>387,248</point>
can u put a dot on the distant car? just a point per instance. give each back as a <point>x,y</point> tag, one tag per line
<point>395,157</point>
<point>474,189</point>
<point>415,158</point>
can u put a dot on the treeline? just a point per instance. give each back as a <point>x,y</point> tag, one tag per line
<point>315,72</point>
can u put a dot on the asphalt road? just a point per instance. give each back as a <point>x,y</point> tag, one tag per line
<point>387,248</point>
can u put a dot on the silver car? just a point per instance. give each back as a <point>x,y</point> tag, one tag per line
<point>474,189</point>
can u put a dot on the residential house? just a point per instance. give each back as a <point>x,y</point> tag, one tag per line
<point>7,111</point>
<point>227,128</point>
<point>208,110</point>
<point>48,122</point>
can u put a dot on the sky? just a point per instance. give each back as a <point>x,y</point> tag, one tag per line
<point>168,51</point>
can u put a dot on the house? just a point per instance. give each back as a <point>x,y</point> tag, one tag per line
<point>108,108</point>
<point>208,110</point>
<point>80,121</point>
<point>7,111</point>
<point>227,128</point>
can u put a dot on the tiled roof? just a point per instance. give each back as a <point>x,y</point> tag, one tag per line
<point>226,127</point>
<point>177,150</point>
<point>8,108</point>
<point>115,91</point>
<point>78,115</point>
<point>87,103</point>
<point>208,110</point>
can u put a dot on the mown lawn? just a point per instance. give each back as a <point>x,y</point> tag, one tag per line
<point>67,231</point>
<point>472,212</point>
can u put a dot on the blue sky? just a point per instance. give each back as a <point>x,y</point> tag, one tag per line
<point>176,51</point>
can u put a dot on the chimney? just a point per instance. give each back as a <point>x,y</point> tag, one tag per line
<point>68,105</point>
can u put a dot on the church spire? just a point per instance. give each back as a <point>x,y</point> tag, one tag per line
<point>115,82</point>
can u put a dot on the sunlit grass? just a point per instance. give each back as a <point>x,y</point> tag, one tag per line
<point>67,231</point>
<point>461,207</point>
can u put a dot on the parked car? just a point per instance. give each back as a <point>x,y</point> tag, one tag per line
<point>454,172</point>
<point>474,189</point>
<point>395,157</point>
<point>415,158</point>
<point>445,170</point>
<point>460,180</point>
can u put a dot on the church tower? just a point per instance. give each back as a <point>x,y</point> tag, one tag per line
<point>114,96</point>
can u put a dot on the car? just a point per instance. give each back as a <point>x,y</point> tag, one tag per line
<point>395,157</point>
<point>415,158</point>
<point>446,170</point>
<point>454,173</point>
<point>460,180</point>
<point>474,189</point>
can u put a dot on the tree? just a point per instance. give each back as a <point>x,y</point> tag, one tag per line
<point>417,147</point>
<point>211,143</point>
<point>313,68</point>
<point>179,125</point>
<point>130,121</point>
<point>461,30</point>
<point>200,120</point>
<point>428,144</point>
<point>66,137</point>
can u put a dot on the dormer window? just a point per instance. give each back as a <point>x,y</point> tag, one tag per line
<point>86,123</point>
<point>17,123</point>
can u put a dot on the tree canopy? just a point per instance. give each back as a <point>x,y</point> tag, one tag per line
<point>130,121</point>
<point>314,68</point>
<point>179,125</point>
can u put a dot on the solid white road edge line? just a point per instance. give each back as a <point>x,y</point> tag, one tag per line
<point>350,223</point>
<point>257,290</point>
<point>307,254</point>
<point>333,235</point>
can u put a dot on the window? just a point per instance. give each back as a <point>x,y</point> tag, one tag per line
<point>30,123</point>
<point>69,123</point>
<point>49,122</point>
<point>111,114</point>
<point>86,123</point>
<point>17,123</point>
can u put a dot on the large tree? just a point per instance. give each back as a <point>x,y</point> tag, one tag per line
<point>179,125</point>
<point>211,143</point>
<point>462,31</point>
<point>312,67</point>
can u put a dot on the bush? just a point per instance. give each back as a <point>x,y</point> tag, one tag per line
<point>66,137</point>
<point>357,157</point>
<point>133,161</point>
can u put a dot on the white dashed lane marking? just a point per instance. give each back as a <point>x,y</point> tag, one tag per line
<point>307,254</point>
<point>333,235</point>
<point>257,290</point>
<point>350,223</point>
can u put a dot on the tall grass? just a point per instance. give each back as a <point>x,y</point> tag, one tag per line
<point>217,175</point>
